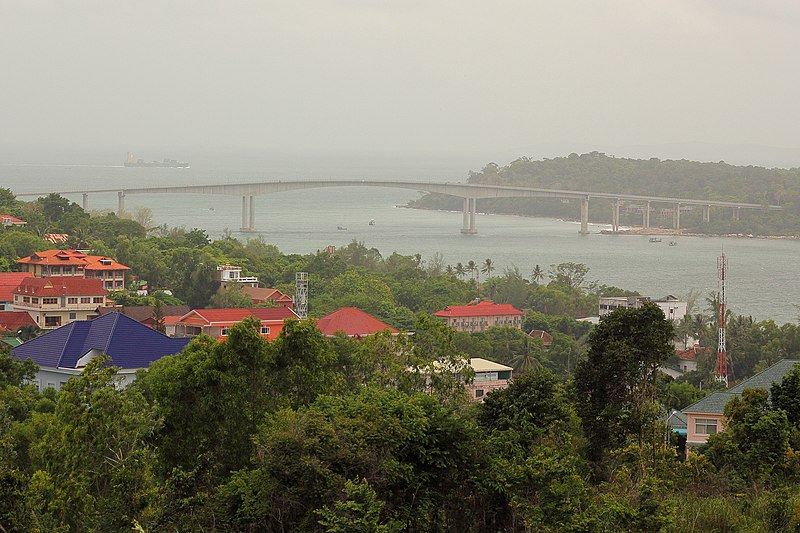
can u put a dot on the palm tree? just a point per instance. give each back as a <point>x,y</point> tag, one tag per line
<point>460,271</point>
<point>487,268</point>
<point>537,274</point>
<point>449,270</point>
<point>472,268</point>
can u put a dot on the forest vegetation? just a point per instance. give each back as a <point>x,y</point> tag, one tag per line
<point>599,172</point>
<point>332,434</point>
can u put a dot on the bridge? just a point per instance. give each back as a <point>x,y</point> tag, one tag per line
<point>470,193</point>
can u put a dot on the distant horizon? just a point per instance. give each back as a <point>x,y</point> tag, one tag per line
<point>112,154</point>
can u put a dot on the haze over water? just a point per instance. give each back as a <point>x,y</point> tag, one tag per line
<point>761,274</point>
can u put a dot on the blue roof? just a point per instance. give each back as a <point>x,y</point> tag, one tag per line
<point>130,344</point>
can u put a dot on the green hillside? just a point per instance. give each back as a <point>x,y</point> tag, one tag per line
<point>671,178</point>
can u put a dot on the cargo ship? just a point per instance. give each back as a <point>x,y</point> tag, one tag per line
<point>132,161</point>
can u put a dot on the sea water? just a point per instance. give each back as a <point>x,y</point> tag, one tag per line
<point>761,276</point>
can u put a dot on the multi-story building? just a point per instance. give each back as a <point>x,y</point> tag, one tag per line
<point>73,263</point>
<point>479,315</point>
<point>229,274</point>
<point>8,282</point>
<point>489,376</point>
<point>56,301</point>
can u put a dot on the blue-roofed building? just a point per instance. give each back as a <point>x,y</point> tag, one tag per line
<point>64,352</point>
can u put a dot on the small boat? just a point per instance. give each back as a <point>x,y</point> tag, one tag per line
<point>341,228</point>
<point>655,239</point>
<point>673,243</point>
<point>372,222</point>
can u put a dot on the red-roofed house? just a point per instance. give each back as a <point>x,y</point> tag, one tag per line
<point>8,282</point>
<point>51,263</point>
<point>8,220</point>
<point>352,322</point>
<point>54,302</point>
<point>481,315</point>
<point>261,295</point>
<point>217,322</point>
<point>13,320</point>
<point>547,339</point>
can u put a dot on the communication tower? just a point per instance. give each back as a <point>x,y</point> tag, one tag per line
<point>301,294</point>
<point>721,369</point>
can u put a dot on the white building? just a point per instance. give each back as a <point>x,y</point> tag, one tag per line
<point>673,308</point>
<point>229,274</point>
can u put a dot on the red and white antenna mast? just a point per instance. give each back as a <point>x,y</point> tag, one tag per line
<point>721,370</point>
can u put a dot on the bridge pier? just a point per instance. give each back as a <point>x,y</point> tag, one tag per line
<point>706,214</point>
<point>736,213</point>
<point>615,215</point>
<point>248,213</point>
<point>646,216</point>
<point>469,223</point>
<point>85,201</point>
<point>584,216</point>
<point>676,216</point>
<point>120,202</point>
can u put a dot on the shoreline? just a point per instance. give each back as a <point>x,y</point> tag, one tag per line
<point>655,232</point>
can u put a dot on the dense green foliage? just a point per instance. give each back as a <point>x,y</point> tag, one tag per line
<point>310,433</point>
<point>653,177</point>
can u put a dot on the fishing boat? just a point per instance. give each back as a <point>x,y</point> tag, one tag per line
<point>673,243</point>
<point>341,228</point>
<point>655,239</point>
<point>372,222</point>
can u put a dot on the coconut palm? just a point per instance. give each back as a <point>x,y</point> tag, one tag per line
<point>472,268</point>
<point>487,268</point>
<point>460,270</point>
<point>537,274</point>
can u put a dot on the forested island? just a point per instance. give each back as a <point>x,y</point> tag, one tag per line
<point>337,434</point>
<point>599,172</point>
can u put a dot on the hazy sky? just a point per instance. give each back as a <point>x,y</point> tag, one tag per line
<point>402,76</point>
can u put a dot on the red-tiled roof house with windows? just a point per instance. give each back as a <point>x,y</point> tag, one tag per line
<point>217,322</point>
<point>481,315</point>
<point>8,282</point>
<point>352,322</point>
<point>54,302</point>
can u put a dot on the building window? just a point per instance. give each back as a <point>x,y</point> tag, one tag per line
<point>73,316</point>
<point>72,300</point>
<point>49,301</point>
<point>97,300</point>
<point>705,426</point>
<point>52,321</point>
<point>224,331</point>
<point>26,300</point>
<point>34,300</point>
<point>265,330</point>
<point>86,300</point>
<point>479,393</point>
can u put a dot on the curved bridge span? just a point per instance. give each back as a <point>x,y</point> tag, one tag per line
<point>470,193</point>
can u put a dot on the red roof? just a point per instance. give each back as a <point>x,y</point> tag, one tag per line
<point>233,315</point>
<point>60,286</point>
<point>10,281</point>
<point>540,334</point>
<point>352,322</point>
<point>8,219</point>
<point>484,308</point>
<point>13,320</point>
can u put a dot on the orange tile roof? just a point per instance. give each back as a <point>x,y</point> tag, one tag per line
<point>13,320</point>
<point>352,322</point>
<point>483,308</point>
<point>72,257</point>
